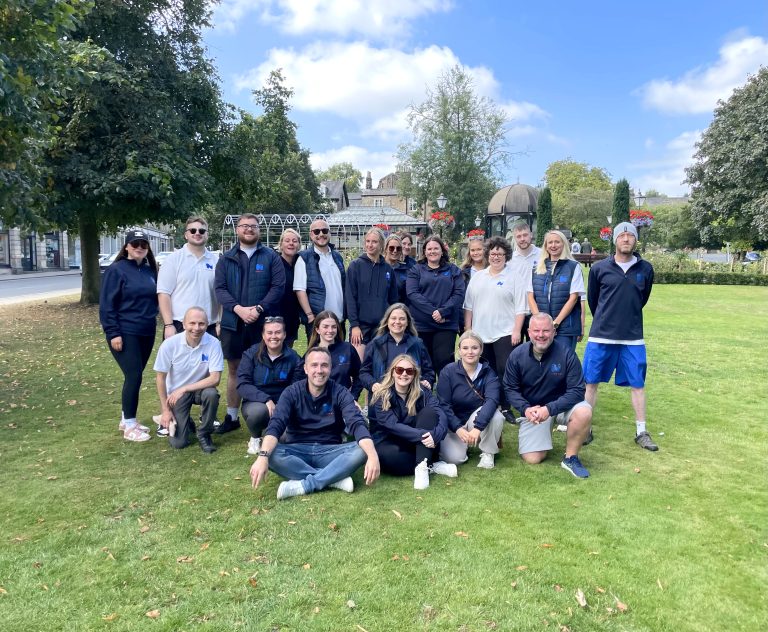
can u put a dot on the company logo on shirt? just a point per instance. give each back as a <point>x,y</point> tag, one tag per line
<point>555,367</point>
<point>326,409</point>
<point>639,277</point>
<point>209,266</point>
<point>342,359</point>
<point>499,283</point>
<point>204,358</point>
<point>259,267</point>
<point>563,279</point>
<point>283,375</point>
<point>447,273</point>
<point>387,275</point>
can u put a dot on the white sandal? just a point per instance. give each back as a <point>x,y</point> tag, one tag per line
<point>135,433</point>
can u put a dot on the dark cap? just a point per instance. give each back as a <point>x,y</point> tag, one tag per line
<point>136,233</point>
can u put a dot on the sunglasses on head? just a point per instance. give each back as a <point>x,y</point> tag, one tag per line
<point>274,319</point>
<point>399,370</point>
<point>139,243</point>
<point>320,231</point>
<point>194,231</point>
<point>394,248</point>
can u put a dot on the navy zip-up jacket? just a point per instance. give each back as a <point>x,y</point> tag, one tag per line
<point>345,367</point>
<point>262,379</point>
<point>128,300</point>
<point>301,418</point>
<point>240,280</point>
<point>380,352</point>
<point>616,299</point>
<point>552,290</point>
<point>440,289</point>
<point>396,421</point>
<point>555,381</point>
<point>371,288</point>
<point>401,275</point>
<point>459,394</point>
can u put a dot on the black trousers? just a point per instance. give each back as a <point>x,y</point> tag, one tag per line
<point>132,360</point>
<point>496,355</point>
<point>400,457</point>
<point>441,346</point>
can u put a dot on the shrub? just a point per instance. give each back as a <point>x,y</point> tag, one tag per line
<point>710,278</point>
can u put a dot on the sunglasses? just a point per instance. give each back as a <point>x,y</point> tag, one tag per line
<point>139,243</point>
<point>194,231</point>
<point>320,231</point>
<point>248,226</point>
<point>400,370</point>
<point>274,319</point>
<point>394,248</point>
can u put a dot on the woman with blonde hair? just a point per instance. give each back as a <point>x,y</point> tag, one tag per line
<point>556,288</point>
<point>409,425</point>
<point>289,247</point>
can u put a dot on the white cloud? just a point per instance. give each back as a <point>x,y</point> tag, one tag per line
<point>378,19</point>
<point>698,91</point>
<point>666,172</point>
<point>372,86</point>
<point>379,163</point>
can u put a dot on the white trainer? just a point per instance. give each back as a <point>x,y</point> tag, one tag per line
<point>486,461</point>
<point>445,469</point>
<point>421,476</point>
<point>254,445</point>
<point>288,489</point>
<point>345,485</point>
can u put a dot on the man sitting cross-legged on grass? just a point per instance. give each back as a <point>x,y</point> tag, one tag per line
<point>312,416</point>
<point>543,380</point>
<point>189,367</point>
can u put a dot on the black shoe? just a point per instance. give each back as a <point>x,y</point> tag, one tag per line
<point>206,445</point>
<point>589,438</point>
<point>228,425</point>
<point>509,416</point>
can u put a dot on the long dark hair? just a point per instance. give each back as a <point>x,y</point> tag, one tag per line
<point>444,258</point>
<point>150,258</point>
<point>314,337</point>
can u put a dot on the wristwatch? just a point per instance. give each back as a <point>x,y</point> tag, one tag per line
<point>264,453</point>
<point>260,309</point>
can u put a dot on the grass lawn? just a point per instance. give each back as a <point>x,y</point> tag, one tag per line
<point>101,534</point>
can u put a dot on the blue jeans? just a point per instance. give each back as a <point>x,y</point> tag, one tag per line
<point>316,465</point>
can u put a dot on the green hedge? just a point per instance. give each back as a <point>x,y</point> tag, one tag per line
<point>711,278</point>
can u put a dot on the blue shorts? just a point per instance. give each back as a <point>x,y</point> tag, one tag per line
<point>629,362</point>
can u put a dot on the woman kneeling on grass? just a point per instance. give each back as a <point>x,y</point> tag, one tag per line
<point>470,392</point>
<point>408,425</point>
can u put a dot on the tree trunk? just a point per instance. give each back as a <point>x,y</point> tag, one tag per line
<point>89,255</point>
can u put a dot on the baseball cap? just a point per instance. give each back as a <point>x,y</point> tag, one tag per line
<point>134,234</point>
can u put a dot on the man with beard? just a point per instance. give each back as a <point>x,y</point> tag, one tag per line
<point>523,261</point>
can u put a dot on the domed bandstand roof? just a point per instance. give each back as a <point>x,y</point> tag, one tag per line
<point>516,199</point>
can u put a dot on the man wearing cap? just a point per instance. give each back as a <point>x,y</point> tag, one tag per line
<point>189,367</point>
<point>319,276</point>
<point>619,288</point>
<point>249,284</point>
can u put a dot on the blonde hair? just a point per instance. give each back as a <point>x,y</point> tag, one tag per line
<point>414,388</point>
<point>409,327</point>
<point>469,335</point>
<point>393,237</point>
<point>541,267</point>
<point>288,231</point>
<point>468,263</point>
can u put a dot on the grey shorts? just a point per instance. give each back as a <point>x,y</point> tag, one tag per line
<point>538,437</point>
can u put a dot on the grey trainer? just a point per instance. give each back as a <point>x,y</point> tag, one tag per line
<point>644,441</point>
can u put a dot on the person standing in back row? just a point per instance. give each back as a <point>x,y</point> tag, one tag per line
<point>618,289</point>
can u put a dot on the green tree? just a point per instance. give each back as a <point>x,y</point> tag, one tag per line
<point>39,65</point>
<point>621,202</point>
<point>458,148</point>
<point>137,148</point>
<point>567,176</point>
<point>673,227</point>
<point>584,211</point>
<point>543,214</point>
<point>260,166</point>
<point>729,176</point>
<point>342,171</point>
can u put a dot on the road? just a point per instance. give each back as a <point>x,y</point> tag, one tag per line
<point>18,289</point>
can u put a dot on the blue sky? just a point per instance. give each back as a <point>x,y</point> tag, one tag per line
<point>624,86</point>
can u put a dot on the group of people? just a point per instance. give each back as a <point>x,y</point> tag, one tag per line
<point>518,315</point>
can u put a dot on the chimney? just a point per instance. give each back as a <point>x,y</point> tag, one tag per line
<point>368,181</point>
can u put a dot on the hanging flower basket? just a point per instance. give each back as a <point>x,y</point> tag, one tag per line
<point>440,220</point>
<point>641,218</point>
<point>476,233</point>
<point>383,227</point>
<point>605,233</point>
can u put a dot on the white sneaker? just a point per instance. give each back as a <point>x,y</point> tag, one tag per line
<point>287,489</point>
<point>421,476</point>
<point>486,461</point>
<point>445,469</point>
<point>254,445</point>
<point>345,485</point>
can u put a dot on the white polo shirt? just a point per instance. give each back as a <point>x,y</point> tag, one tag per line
<point>522,267</point>
<point>187,365</point>
<point>329,271</point>
<point>188,280</point>
<point>494,302</point>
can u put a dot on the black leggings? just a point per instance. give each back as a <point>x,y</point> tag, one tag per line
<point>132,360</point>
<point>440,347</point>
<point>400,457</point>
<point>496,355</point>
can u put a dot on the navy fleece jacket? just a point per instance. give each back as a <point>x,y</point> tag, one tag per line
<point>371,288</point>
<point>440,289</point>
<point>398,423</point>
<point>260,379</point>
<point>460,396</point>
<point>128,301</point>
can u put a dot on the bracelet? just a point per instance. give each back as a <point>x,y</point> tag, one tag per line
<point>171,325</point>
<point>264,453</point>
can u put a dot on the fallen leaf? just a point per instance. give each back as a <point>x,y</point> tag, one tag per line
<point>580,598</point>
<point>144,529</point>
<point>153,614</point>
<point>491,625</point>
<point>558,588</point>
<point>637,470</point>
<point>564,628</point>
<point>144,558</point>
<point>251,580</point>
<point>333,526</point>
<point>546,546</point>
<point>185,559</point>
<point>36,565</point>
<point>71,402</point>
<point>461,534</point>
<point>601,590</point>
<point>306,567</point>
<point>3,591</point>
<point>44,586</point>
<point>620,605</point>
<point>291,522</point>
<point>428,612</point>
<point>110,617</point>
<point>351,604</point>
<point>204,546</point>
<point>609,610</point>
<point>521,568</point>
<point>223,574</point>
<point>52,478</point>
<point>316,610</point>
<point>398,514</point>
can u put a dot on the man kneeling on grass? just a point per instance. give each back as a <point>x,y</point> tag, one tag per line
<point>189,367</point>
<point>312,416</point>
<point>543,380</point>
